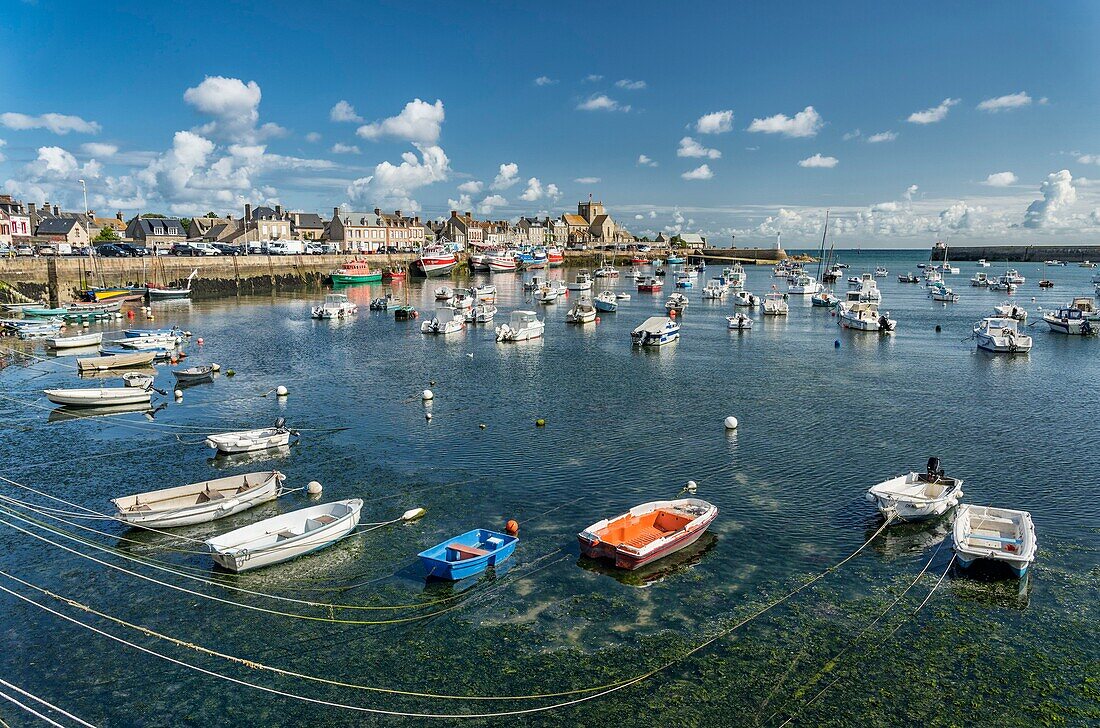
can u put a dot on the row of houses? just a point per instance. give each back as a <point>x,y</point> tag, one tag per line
<point>349,231</point>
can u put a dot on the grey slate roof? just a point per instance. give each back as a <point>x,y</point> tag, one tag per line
<point>56,226</point>
<point>309,221</point>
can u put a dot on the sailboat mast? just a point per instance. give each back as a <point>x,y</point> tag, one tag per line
<point>821,253</point>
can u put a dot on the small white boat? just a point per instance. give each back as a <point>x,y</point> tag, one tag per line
<point>1071,321</point>
<point>1003,284</point>
<point>826,299</point>
<point>264,438</point>
<point>605,302</point>
<point>1011,310</point>
<point>285,537</point>
<point>336,306</point>
<point>713,290</point>
<point>803,285</point>
<point>683,279</point>
<point>744,298</point>
<point>487,292</point>
<point>997,534</point>
<point>446,321</point>
<point>1001,335</point>
<point>138,379</point>
<point>775,304</point>
<point>521,326</point>
<point>917,496</point>
<point>606,271</point>
<point>739,322</point>
<point>864,316</point>
<point>676,303</point>
<point>881,272</point>
<point>582,312</point>
<point>979,280</point>
<point>549,293</point>
<point>534,284</point>
<point>735,276</point>
<point>482,313</point>
<point>1013,276</point>
<point>186,505</point>
<point>583,282</point>
<point>98,397</point>
<point>1054,263</point>
<point>622,296</point>
<point>463,298</point>
<point>867,291</point>
<point>195,375</point>
<point>983,263</point>
<point>444,293</point>
<point>656,331</point>
<point>149,343</point>
<point>75,342</point>
<point>943,294</point>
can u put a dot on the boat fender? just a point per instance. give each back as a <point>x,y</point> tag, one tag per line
<point>178,393</point>
<point>511,528</point>
<point>313,488</point>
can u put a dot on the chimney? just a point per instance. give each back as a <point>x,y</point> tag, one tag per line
<point>397,213</point>
<point>336,212</point>
<point>377,211</point>
<point>454,213</point>
<point>468,214</point>
<point>118,215</point>
<point>33,209</point>
<point>279,212</point>
<point>247,211</point>
<point>56,211</point>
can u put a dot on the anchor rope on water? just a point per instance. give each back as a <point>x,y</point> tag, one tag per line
<point>600,690</point>
<point>46,703</point>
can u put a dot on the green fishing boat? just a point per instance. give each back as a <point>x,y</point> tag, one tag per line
<point>41,312</point>
<point>356,271</point>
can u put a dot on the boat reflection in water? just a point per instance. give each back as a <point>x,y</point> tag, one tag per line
<point>906,539</point>
<point>657,571</point>
<point>65,414</point>
<point>234,460</point>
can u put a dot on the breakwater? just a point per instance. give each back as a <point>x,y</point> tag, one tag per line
<point>1021,253</point>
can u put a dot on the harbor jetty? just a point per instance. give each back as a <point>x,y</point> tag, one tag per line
<point>1018,253</point>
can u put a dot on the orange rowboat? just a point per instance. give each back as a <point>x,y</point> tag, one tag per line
<point>648,532</point>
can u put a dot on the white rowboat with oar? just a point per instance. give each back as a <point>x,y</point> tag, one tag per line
<point>186,505</point>
<point>98,397</point>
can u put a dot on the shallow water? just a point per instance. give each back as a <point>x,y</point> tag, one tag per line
<point>819,424</point>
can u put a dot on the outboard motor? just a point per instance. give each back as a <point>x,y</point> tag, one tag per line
<point>281,422</point>
<point>934,469</point>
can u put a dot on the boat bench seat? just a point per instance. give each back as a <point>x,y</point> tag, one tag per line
<point>284,535</point>
<point>995,539</point>
<point>209,495</point>
<point>645,537</point>
<point>466,552</point>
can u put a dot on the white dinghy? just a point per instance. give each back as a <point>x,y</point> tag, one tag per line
<point>98,397</point>
<point>997,534</point>
<point>75,342</point>
<point>186,505</point>
<point>285,537</point>
<point>917,496</point>
<point>231,443</point>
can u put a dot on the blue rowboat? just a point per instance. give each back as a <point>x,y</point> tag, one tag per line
<point>468,554</point>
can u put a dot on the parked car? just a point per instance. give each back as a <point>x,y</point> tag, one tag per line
<point>45,249</point>
<point>110,250</point>
<point>135,251</point>
<point>329,248</point>
<point>227,249</point>
<point>24,250</point>
<point>80,250</point>
<point>286,247</point>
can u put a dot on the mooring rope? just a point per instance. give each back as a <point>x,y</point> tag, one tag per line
<point>49,705</point>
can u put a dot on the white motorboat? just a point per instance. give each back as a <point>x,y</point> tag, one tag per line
<point>656,331</point>
<point>482,313</point>
<point>682,279</point>
<point>230,443</point>
<point>477,262</point>
<point>521,326</point>
<point>738,322</point>
<point>676,303</point>
<point>979,280</point>
<point>278,539</point>
<point>917,496</point>
<point>864,316</point>
<point>75,342</point>
<point>336,306</point>
<point>446,321</point>
<point>735,276</point>
<point>775,304</point>
<point>1055,263</point>
<point>983,263</point>
<point>622,296</point>
<point>583,282</point>
<point>1011,310</point>
<point>502,261</point>
<point>881,272</point>
<point>535,283</point>
<point>1071,321</point>
<point>582,312</point>
<point>444,293</point>
<point>714,289</point>
<point>98,396</point>
<point>463,298</point>
<point>606,271</point>
<point>996,534</point>
<point>803,285</point>
<point>1013,276</point>
<point>943,294</point>
<point>140,380</point>
<point>1001,335</point>
<point>606,302</point>
<point>744,298</point>
<point>202,502</point>
<point>825,299</point>
<point>867,292</point>
<point>1002,284</point>
<point>486,292</point>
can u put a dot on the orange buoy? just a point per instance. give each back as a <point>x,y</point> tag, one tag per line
<point>511,528</point>
<point>130,314</point>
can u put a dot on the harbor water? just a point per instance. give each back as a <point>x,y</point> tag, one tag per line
<point>824,413</point>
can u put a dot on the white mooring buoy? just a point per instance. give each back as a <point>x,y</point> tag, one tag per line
<point>731,423</point>
<point>427,395</point>
<point>313,488</point>
<point>281,391</point>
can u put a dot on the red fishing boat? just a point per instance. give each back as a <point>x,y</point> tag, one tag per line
<point>639,260</point>
<point>435,261</point>
<point>555,257</point>
<point>648,532</point>
<point>394,274</point>
<point>650,285</point>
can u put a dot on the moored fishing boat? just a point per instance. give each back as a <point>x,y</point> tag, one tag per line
<point>1011,310</point>
<point>263,438</point>
<point>394,274</point>
<point>43,312</point>
<point>484,313</point>
<point>582,282</point>
<point>555,258</point>
<point>650,284</point>
<point>174,331</point>
<point>606,271</point>
<point>979,280</point>
<point>74,342</point>
<point>336,306</point>
<point>1071,321</point>
<point>738,322</point>
<point>647,532</point>
<point>997,534</point>
<point>521,326</point>
<point>581,312</point>
<point>202,502</point>
<point>917,496</point>
<point>467,554</point>
<point>444,293</point>
<point>908,278</point>
<point>943,294</point>
<point>605,302</point>
<point>803,285</point>
<point>775,304</point>
<point>683,280</point>
<point>864,316</point>
<point>677,303</point>
<point>655,331</point>
<point>166,293</point>
<point>355,271</point>
<point>826,299</point>
<point>446,321</point>
<point>486,292</point>
<point>746,299</point>
<point>502,261</point>
<point>285,537</point>
<point>435,261</point>
<point>1001,335</point>
<point>98,396</point>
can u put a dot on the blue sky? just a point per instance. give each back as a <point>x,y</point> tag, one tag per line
<point>755,119</point>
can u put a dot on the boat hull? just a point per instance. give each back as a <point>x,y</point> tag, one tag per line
<point>97,397</point>
<point>131,512</point>
<point>346,279</point>
<point>444,562</point>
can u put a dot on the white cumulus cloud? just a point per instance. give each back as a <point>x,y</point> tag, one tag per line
<point>587,180</point>
<point>56,123</point>
<point>1005,103</point>
<point>934,114</point>
<point>490,203</point>
<point>393,185</point>
<point>1058,193</point>
<point>343,111</point>
<point>313,137</point>
<point>545,81</point>
<point>99,149</point>
<point>882,136</point>
<point>418,122</point>
<point>1089,158</point>
<point>805,123</point>
<point>593,78</point>
<point>716,122</point>
<point>339,148</point>
<point>644,161</point>
<point>630,85</point>
<point>819,161</point>
<point>506,177</point>
<point>601,102</point>
<point>1000,179</point>
<point>700,172</point>
<point>472,187</point>
<point>691,148</point>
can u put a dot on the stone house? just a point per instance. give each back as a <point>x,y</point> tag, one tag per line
<point>156,232</point>
<point>63,230</point>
